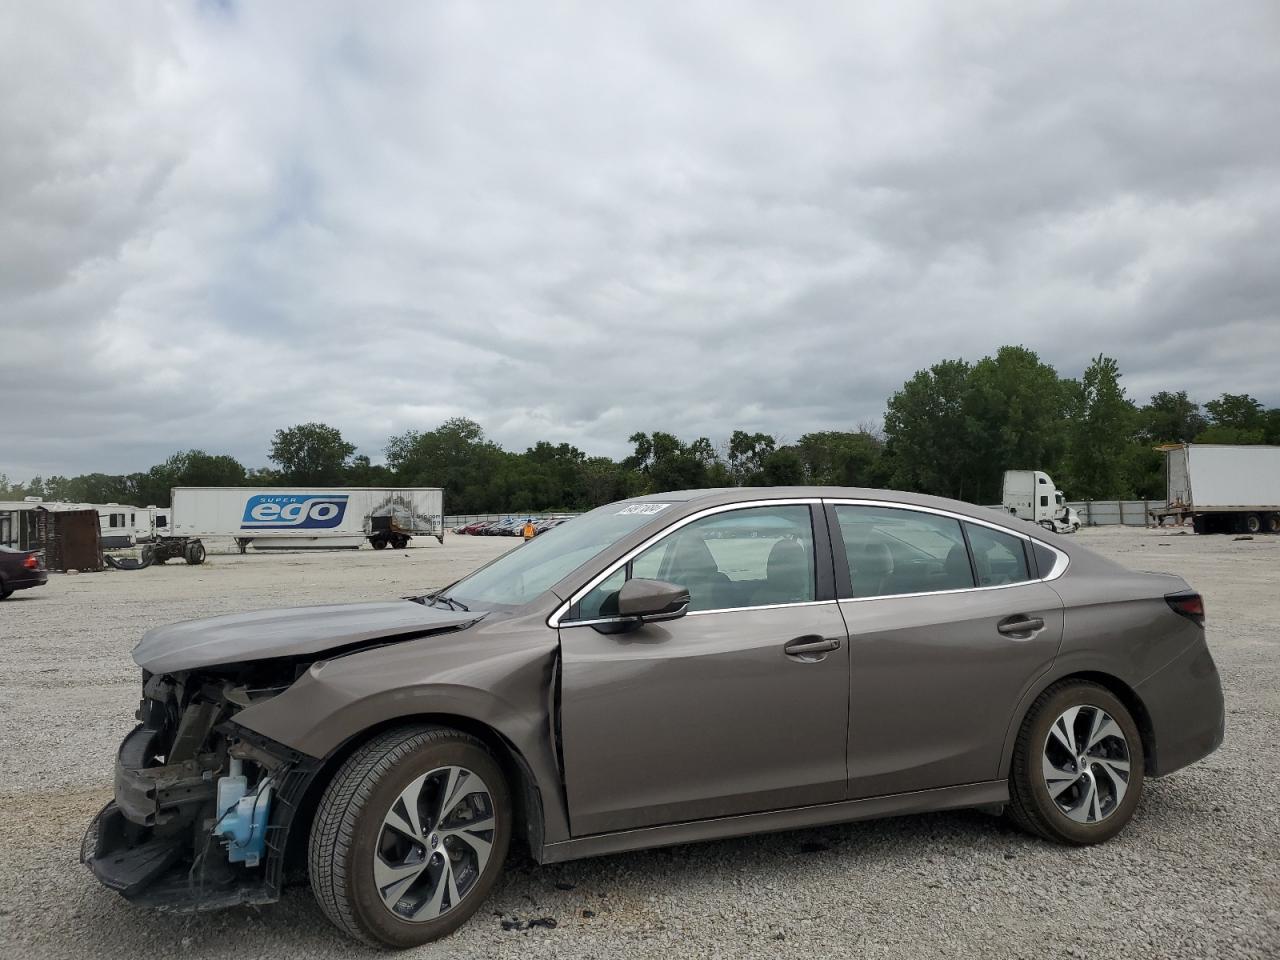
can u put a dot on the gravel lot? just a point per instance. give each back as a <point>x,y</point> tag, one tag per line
<point>1197,874</point>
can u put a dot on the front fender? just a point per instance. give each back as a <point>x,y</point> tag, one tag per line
<point>500,675</point>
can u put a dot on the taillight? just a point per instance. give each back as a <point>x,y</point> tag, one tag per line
<point>32,562</point>
<point>1190,605</point>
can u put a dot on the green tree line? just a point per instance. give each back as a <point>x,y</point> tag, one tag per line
<point>951,430</point>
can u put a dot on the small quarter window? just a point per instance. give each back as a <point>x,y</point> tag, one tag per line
<point>1045,559</point>
<point>1044,501</point>
<point>998,558</point>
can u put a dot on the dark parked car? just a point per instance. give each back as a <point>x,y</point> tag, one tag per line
<point>662,670</point>
<point>20,570</point>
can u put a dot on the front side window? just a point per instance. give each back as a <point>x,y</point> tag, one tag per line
<point>998,558</point>
<point>752,557</point>
<point>894,551</point>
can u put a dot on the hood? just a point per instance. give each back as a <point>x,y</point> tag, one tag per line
<point>291,632</point>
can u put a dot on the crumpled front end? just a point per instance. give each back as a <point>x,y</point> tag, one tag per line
<point>202,808</point>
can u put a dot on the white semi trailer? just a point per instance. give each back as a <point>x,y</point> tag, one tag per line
<point>1222,488</point>
<point>294,518</point>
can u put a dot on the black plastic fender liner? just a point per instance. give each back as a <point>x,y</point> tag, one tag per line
<point>120,865</point>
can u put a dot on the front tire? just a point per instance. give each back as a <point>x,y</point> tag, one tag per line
<point>1077,765</point>
<point>410,836</point>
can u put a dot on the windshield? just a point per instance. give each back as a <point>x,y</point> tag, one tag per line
<point>530,569</point>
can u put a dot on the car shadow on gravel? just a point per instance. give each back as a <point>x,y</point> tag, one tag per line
<point>936,850</point>
<point>604,890</point>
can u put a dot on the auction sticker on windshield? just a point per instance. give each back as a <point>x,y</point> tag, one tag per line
<point>646,509</point>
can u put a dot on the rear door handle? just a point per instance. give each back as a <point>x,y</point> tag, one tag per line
<point>810,644</point>
<point>1018,626</point>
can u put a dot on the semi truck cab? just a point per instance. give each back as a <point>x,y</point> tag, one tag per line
<point>1031,495</point>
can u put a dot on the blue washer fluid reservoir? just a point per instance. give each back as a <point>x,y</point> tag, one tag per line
<point>243,825</point>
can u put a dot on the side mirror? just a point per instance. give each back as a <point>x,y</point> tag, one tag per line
<point>652,600</point>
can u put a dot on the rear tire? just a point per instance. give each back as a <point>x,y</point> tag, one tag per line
<point>195,554</point>
<point>5,592</point>
<point>1078,796</point>
<point>353,836</point>
<point>378,544</point>
<point>1273,523</point>
<point>1250,523</point>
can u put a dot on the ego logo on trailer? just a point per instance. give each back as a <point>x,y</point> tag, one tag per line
<point>293,511</point>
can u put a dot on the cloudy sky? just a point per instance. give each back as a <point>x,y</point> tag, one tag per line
<point>573,221</point>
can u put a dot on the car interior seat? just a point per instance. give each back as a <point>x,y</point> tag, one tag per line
<point>873,568</point>
<point>787,575</point>
<point>694,567</point>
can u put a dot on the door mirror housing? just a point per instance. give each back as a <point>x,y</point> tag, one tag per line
<point>649,601</point>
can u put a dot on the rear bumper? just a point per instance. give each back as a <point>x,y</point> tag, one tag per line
<point>25,581</point>
<point>1185,704</point>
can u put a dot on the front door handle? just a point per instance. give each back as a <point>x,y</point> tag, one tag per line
<point>811,644</point>
<point>1020,626</point>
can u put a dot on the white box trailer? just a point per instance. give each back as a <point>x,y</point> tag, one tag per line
<point>302,517</point>
<point>1222,488</point>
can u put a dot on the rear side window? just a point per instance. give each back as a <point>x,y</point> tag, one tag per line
<point>998,558</point>
<point>893,551</point>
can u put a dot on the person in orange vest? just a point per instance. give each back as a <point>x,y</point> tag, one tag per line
<point>528,530</point>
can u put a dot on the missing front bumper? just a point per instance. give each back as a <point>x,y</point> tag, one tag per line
<point>153,843</point>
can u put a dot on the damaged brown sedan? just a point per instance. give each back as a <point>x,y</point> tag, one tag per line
<point>662,670</point>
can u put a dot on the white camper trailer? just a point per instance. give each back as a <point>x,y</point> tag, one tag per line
<point>302,517</point>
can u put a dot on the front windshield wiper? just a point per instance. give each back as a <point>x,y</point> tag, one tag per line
<point>453,604</point>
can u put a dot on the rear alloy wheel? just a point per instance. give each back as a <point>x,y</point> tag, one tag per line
<point>410,836</point>
<point>1077,766</point>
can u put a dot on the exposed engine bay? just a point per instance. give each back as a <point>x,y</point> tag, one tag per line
<point>202,807</point>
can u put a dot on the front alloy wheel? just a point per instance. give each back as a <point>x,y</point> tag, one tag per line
<point>410,836</point>
<point>435,842</point>
<point>1077,769</point>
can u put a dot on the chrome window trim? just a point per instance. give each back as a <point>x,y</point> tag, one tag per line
<point>703,613</point>
<point>1061,560</point>
<point>554,620</point>
<point>1060,563</point>
<point>936,593</point>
